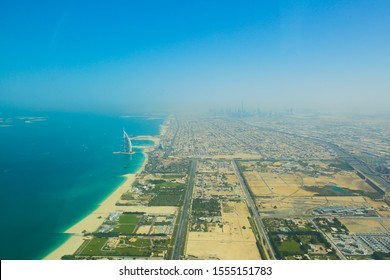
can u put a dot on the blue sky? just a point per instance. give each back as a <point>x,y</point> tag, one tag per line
<point>125,56</point>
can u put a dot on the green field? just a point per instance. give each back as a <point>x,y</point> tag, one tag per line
<point>129,219</point>
<point>342,166</point>
<point>167,196</point>
<point>140,242</point>
<point>334,190</point>
<point>94,247</point>
<point>171,199</point>
<point>130,251</point>
<point>125,229</point>
<point>139,248</point>
<point>169,185</point>
<point>172,176</point>
<point>290,248</point>
<point>127,196</point>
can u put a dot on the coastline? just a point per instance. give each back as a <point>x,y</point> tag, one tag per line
<point>92,221</point>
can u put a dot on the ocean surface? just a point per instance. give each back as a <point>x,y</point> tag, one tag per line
<point>56,170</point>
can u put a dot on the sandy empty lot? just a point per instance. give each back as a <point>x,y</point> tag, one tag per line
<point>235,242</point>
<point>353,182</point>
<point>214,247</point>
<point>143,229</point>
<point>264,184</point>
<point>363,225</point>
<point>257,184</point>
<point>320,181</point>
<point>231,178</point>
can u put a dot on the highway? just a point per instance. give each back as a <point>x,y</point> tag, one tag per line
<point>182,226</point>
<point>168,149</point>
<point>356,163</point>
<point>251,204</point>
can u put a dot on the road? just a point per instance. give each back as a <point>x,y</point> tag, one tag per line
<point>168,149</point>
<point>255,214</point>
<point>356,163</point>
<point>182,227</point>
<point>338,252</point>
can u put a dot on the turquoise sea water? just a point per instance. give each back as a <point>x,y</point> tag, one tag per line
<point>55,172</point>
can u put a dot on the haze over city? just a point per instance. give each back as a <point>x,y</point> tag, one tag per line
<point>132,56</point>
<point>211,130</point>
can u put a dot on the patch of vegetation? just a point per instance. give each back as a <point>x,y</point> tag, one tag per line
<point>169,185</point>
<point>299,227</point>
<point>96,247</point>
<point>327,225</point>
<point>261,249</point>
<point>324,257</point>
<point>243,168</point>
<point>290,248</point>
<point>160,245</point>
<point>124,229</point>
<point>68,257</point>
<point>287,225</point>
<point>381,256</point>
<point>162,223</point>
<point>172,176</point>
<point>168,196</point>
<point>129,219</point>
<point>157,164</point>
<point>334,190</point>
<point>208,207</point>
<point>156,182</point>
<point>295,237</point>
<point>342,166</point>
<point>127,196</point>
<point>133,251</point>
<point>294,243</point>
<point>139,242</point>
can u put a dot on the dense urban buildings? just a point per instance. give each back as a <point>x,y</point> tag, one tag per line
<point>255,187</point>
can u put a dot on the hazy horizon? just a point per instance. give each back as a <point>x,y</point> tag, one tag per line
<point>325,56</point>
